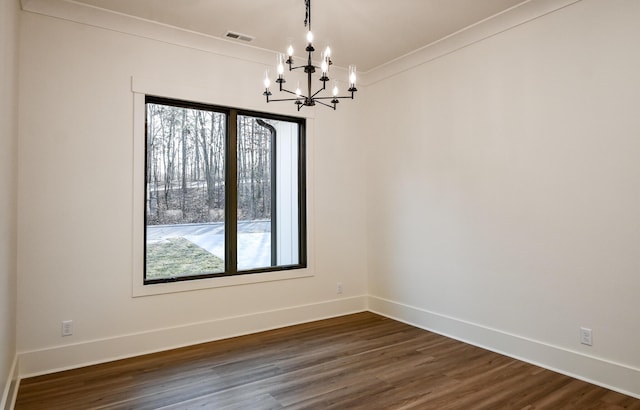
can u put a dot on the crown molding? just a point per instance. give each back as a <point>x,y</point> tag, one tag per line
<point>489,27</point>
<point>83,13</point>
<point>122,23</point>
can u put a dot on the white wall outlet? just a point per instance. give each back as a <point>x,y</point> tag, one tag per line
<point>67,327</point>
<point>339,288</point>
<point>586,336</point>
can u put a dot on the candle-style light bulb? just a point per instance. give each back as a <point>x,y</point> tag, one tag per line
<point>267,81</point>
<point>327,53</point>
<point>335,89</point>
<point>352,75</point>
<point>290,50</point>
<point>324,66</point>
<point>298,92</point>
<point>309,37</point>
<point>280,64</point>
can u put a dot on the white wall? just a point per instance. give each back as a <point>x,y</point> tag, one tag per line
<point>500,204</point>
<point>503,192</point>
<point>75,199</point>
<point>8,131</point>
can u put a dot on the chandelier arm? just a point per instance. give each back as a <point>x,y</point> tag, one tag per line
<point>331,98</point>
<point>316,93</point>
<point>324,87</point>
<point>325,104</point>
<point>299,67</point>
<point>286,99</point>
<point>351,97</point>
<point>301,96</point>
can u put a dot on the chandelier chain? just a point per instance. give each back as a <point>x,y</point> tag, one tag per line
<point>307,17</point>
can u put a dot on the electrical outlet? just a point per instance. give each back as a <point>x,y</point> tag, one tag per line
<point>586,336</point>
<point>67,327</point>
<point>339,288</point>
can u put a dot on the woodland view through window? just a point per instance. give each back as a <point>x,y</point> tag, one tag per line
<point>224,192</point>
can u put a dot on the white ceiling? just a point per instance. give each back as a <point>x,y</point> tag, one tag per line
<point>367,33</point>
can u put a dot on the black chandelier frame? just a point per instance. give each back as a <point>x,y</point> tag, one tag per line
<point>310,99</point>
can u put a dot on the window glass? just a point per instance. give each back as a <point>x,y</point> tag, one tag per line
<point>215,211</point>
<point>267,153</point>
<point>185,199</point>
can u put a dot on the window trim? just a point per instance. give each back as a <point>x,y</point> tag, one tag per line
<point>140,88</point>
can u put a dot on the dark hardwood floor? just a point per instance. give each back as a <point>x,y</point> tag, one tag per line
<point>360,361</point>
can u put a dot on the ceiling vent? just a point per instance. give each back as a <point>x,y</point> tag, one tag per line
<point>238,36</point>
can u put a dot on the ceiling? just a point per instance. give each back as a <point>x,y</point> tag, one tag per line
<point>367,33</point>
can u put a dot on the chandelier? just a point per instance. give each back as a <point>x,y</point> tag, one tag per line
<point>309,99</point>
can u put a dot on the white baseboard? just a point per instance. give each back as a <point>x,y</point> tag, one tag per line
<point>613,376</point>
<point>10,391</point>
<point>37,362</point>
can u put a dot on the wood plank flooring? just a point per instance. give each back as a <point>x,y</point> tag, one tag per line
<point>360,361</point>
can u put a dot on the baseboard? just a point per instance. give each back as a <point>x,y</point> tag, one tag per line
<point>44,361</point>
<point>614,376</point>
<point>10,391</point>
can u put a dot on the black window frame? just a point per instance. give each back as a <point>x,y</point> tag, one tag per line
<point>231,195</point>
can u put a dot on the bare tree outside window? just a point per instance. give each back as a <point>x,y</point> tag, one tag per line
<point>185,188</point>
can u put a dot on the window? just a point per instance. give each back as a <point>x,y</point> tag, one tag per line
<point>224,192</point>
